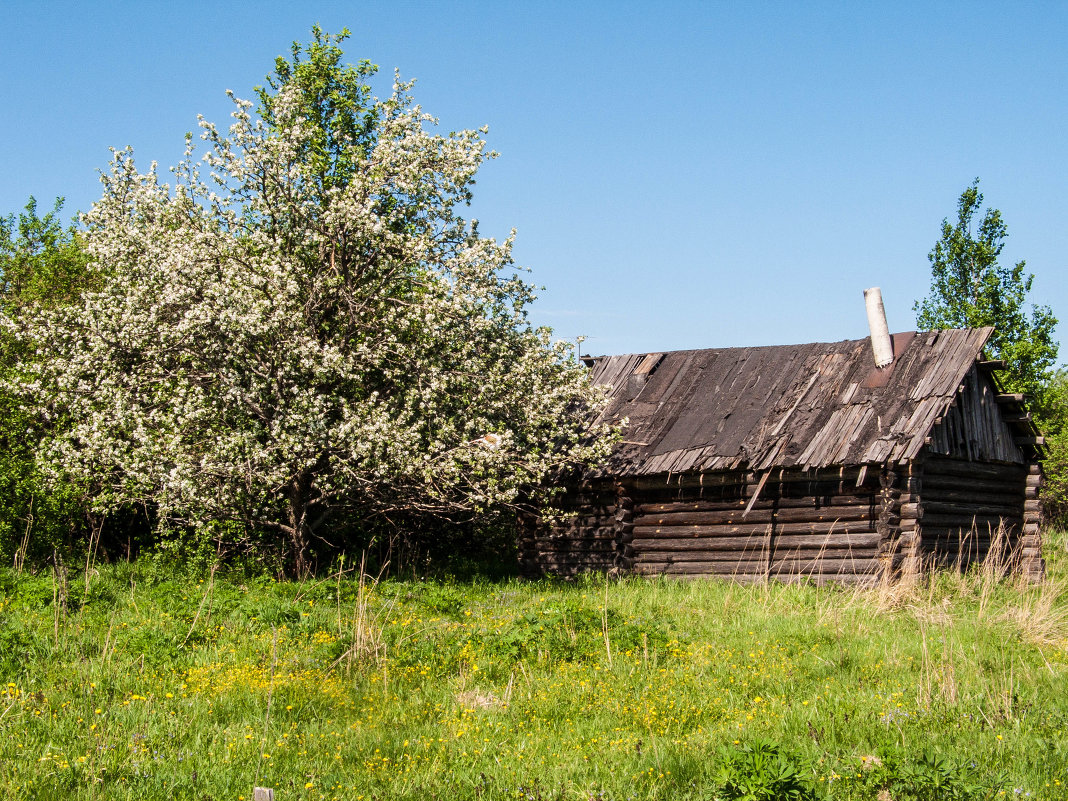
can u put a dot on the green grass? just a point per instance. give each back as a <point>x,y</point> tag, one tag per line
<point>140,683</point>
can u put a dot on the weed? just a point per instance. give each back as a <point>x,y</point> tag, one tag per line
<point>938,778</point>
<point>759,771</point>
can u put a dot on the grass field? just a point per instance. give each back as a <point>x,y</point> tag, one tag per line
<point>137,682</point>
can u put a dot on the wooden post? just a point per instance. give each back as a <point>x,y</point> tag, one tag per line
<point>910,511</point>
<point>889,533</point>
<point>262,794</point>
<point>1032,565</point>
<point>624,530</point>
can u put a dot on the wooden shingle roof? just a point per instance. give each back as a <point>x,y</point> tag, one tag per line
<point>807,406</point>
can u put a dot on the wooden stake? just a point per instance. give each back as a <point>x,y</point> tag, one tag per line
<point>760,487</point>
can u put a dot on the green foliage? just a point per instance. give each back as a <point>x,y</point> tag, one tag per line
<point>969,289</point>
<point>16,648</point>
<point>759,771</point>
<point>336,101</point>
<point>41,261</point>
<point>42,266</point>
<point>1054,425</point>
<point>933,777</point>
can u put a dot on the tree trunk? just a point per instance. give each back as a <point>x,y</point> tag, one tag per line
<point>298,521</point>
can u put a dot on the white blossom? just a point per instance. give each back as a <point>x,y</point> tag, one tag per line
<point>279,339</point>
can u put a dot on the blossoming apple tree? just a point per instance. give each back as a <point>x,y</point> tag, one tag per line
<point>302,328</point>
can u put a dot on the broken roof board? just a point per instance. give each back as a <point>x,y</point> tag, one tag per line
<point>807,406</point>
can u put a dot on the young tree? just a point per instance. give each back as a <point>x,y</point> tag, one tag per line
<point>970,289</point>
<point>41,260</point>
<point>303,328</point>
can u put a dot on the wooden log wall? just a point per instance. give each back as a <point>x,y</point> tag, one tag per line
<point>588,540</point>
<point>969,508</point>
<point>828,526</point>
<point>844,525</point>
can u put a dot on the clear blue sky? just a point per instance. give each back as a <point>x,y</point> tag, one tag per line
<point>680,174</point>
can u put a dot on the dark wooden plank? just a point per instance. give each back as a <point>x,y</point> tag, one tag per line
<point>863,554</point>
<point>1004,484</point>
<point>820,540</point>
<point>983,522</point>
<point>699,556</point>
<point>726,544</point>
<point>960,496</point>
<point>959,467</point>
<point>808,542</point>
<point>825,566</point>
<point>945,534</point>
<point>700,568</point>
<point>749,529</point>
<point>731,530</point>
<point>935,507</point>
<point>798,555</point>
<point>710,518</point>
<point>866,498</point>
<point>734,516</point>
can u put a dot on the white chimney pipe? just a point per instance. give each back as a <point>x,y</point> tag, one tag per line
<point>881,345</point>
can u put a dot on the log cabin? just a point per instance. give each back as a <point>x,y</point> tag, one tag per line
<point>804,461</point>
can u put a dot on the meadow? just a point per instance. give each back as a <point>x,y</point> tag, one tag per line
<point>146,681</point>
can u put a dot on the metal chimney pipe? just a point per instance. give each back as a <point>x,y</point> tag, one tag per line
<point>881,345</point>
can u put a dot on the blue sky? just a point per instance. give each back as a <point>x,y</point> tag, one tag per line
<point>680,174</point>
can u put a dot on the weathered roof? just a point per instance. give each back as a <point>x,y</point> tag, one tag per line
<point>807,406</point>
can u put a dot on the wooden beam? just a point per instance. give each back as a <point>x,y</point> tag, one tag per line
<point>759,489</point>
<point>820,502</point>
<point>756,544</point>
<point>757,529</point>
<point>1034,441</point>
<point>977,507</point>
<point>942,466</point>
<point>975,497</point>
<point>1023,417</point>
<point>808,514</point>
